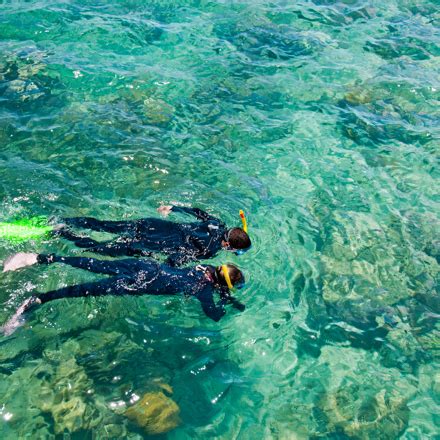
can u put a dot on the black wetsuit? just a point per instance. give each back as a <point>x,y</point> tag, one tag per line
<point>182,242</point>
<point>144,277</point>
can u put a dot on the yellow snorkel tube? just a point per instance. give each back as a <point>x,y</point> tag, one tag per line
<point>226,276</point>
<point>243,221</point>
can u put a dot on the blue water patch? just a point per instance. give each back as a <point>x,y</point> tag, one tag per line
<point>320,120</point>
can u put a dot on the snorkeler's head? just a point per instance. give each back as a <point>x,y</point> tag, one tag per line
<point>237,241</point>
<point>229,275</point>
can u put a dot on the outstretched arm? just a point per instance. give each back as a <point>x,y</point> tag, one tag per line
<point>196,212</point>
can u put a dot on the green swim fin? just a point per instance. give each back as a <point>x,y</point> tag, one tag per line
<point>18,231</point>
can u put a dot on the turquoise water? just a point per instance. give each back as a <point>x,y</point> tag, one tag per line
<point>321,120</point>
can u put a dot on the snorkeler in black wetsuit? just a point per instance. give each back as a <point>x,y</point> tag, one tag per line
<point>137,277</point>
<point>182,242</point>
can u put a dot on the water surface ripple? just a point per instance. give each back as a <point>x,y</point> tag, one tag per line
<point>321,120</point>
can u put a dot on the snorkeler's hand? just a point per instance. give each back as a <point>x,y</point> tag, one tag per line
<point>164,210</point>
<point>237,304</point>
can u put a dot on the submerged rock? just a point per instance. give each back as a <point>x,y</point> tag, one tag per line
<point>265,40</point>
<point>380,109</point>
<point>27,83</point>
<point>157,111</point>
<point>344,393</point>
<point>339,13</point>
<point>383,415</point>
<point>155,413</point>
<point>362,399</point>
<point>65,395</point>
<point>371,266</point>
<point>406,36</point>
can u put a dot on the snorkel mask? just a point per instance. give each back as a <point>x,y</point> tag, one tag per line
<point>240,251</point>
<point>227,278</point>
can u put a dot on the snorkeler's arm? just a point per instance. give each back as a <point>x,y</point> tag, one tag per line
<point>211,309</point>
<point>179,259</point>
<point>196,212</point>
<point>226,296</point>
<point>198,251</point>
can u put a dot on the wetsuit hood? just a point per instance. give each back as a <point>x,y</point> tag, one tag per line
<point>231,248</point>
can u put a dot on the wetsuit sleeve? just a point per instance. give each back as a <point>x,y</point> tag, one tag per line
<point>122,267</point>
<point>196,212</point>
<point>199,251</point>
<point>175,260</point>
<point>211,309</point>
<point>178,259</point>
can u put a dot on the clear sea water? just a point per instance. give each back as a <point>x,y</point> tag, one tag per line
<point>321,120</point>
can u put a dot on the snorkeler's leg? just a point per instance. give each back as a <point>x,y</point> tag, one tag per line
<point>110,286</point>
<point>82,242</point>
<point>114,227</point>
<point>119,267</point>
<point>110,248</point>
<point>16,320</point>
<point>119,249</point>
